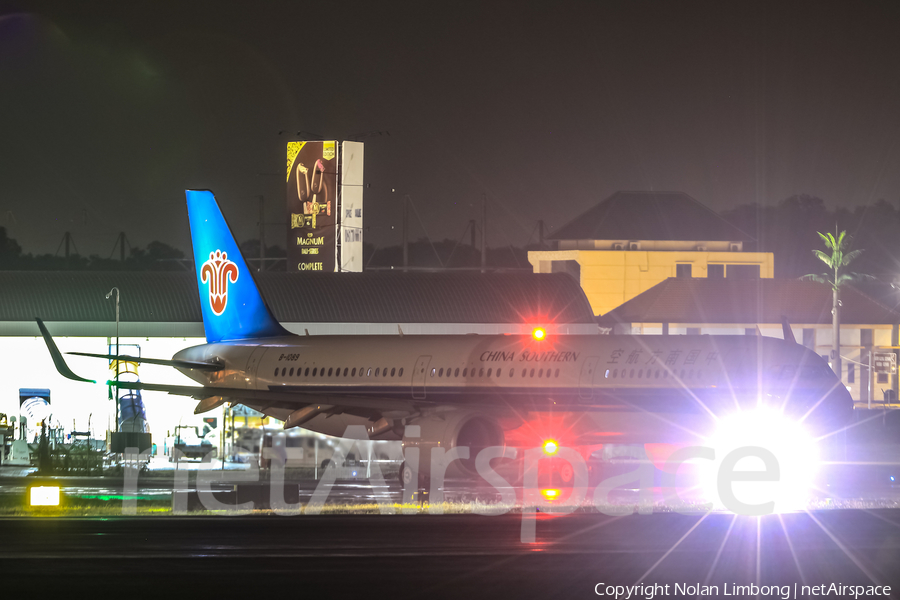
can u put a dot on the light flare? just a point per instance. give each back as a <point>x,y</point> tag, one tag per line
<point>793,448</point>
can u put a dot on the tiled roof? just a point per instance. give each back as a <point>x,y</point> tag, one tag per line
<point>745,301</point>
<point>662,216</point>
<point>450,297</point>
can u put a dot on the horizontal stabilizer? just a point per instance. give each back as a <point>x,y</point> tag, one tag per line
<point>57,356</point>
<point>183,364</point>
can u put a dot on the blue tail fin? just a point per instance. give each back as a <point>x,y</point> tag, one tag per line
<point>232,306</point>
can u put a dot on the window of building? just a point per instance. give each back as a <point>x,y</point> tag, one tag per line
<point>715,271</point>
<point>851,373</point>
<point>684,271</point>
<point>743,272</point>
<point>882,378</point>
<point>567,266</point>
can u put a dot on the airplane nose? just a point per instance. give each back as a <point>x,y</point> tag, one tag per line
<point>834,412</point>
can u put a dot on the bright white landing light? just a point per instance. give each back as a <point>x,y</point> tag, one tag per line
<point>793,448</point>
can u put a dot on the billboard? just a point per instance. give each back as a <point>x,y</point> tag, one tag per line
<point>350,232</point>
<point>311,205</point>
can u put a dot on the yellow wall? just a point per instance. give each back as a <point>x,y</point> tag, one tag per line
<point>609,277</point>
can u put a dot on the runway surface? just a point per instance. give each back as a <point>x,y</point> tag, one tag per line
<point>460,556</point>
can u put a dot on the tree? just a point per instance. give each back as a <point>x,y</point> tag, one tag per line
<point>836,278</point>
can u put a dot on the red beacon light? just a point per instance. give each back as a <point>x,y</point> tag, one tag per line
<point>539,333</point>
<point>550,447</point>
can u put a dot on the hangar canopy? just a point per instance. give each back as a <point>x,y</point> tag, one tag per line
<point>166,303</point>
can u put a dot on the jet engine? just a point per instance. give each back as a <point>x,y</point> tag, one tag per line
<point>450,430</point>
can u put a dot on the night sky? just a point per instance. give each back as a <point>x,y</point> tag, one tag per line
<point>110,110</point>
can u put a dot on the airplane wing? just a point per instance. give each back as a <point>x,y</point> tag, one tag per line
<point>284,399</point>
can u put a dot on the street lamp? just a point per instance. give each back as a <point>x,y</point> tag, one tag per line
<point>116,290</point>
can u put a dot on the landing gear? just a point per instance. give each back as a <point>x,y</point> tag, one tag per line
<point>415,489</point>
<point>407,474</point>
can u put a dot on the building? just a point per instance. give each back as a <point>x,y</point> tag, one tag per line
<point>634,240</point>
<point>758,307</point>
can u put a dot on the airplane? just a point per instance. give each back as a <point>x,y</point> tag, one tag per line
<point>477,391</point>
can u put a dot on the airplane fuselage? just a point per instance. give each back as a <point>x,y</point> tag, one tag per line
<point>629,388</point>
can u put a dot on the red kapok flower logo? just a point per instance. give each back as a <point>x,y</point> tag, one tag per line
<point>217,272</point>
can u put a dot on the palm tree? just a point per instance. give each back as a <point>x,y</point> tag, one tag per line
<point>836,278</point>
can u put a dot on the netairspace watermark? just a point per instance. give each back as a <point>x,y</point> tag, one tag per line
<point>649,591</point>
<point>729,480</point>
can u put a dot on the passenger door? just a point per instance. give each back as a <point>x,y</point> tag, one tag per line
<point>586,380</point>
<point>420,374</point>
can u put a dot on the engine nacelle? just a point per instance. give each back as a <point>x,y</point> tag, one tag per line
<point>449,430</point>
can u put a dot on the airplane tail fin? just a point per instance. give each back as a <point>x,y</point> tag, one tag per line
<point>232,307</point>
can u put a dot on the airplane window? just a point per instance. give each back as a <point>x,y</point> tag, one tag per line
<point>556,374</point>
<point>368,372</point>
<point>329,371</point>
<point>441,372</point>
<point>276,371</point>
<point>432,372</point>
<point>400,373</point>
<point>315,370</point>
<point>393,370</point>
<point>656,374</point>
<point>465,372</point>
<point>345,371</point>
<point>353,372</point>
<point>481,372</point>
<point>632,373</point>
<point>376,371</point>
<point>498,372</point>
<point>541,373</point>
<point>456,373</point>
<point>384,372</point>
<point>607,374</point>
<point>524,372</point>
<point>640,373</point>
<point>291,372</point>
<point>615,373</point>
<point>532,373</point>
<point>511,371</point>
<point>489,373</point>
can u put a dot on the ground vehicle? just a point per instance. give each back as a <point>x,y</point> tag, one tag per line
<point>187,443</point>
